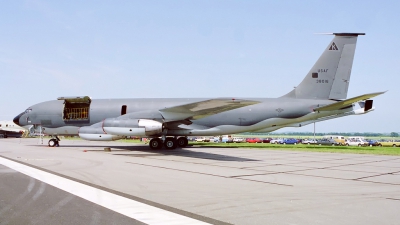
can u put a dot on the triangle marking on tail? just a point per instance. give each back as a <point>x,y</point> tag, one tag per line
<point>333,47</point>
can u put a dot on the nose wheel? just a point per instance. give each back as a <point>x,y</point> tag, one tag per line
<point>54,142</point>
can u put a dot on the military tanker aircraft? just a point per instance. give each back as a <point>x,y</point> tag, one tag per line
<point>169,121</point>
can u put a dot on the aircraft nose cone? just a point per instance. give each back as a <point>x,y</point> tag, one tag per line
<point>16,120</point>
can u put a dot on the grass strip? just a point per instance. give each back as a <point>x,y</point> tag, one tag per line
<point>307,148</point>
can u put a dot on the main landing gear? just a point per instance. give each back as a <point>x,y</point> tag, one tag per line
<point>54,142</point>
<point>169,143</point>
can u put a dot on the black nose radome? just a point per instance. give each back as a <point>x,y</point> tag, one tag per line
<point>16,120</point>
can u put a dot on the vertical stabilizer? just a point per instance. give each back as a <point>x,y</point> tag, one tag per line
<point>329,78</point>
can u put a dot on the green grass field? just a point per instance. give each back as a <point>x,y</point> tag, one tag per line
<point>306,148</point>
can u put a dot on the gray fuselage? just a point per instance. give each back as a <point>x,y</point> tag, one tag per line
<point>50,116</point>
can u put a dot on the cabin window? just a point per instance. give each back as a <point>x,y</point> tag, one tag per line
<point>314,75</point>
<point>123,110</point>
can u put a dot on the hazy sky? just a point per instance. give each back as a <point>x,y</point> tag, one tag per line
<point>138,49</point>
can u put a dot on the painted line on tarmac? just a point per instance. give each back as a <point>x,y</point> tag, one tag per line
<point>125,206</point>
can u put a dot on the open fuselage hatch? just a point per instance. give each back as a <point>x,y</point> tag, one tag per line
<point>76,108</point>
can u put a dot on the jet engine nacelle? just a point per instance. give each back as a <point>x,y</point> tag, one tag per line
<point>132,127</point>
<point>151,127</point>
<point>99,137</point>
<point>96,133</point>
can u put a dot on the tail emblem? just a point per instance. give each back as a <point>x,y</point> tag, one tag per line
<point>333,47</point>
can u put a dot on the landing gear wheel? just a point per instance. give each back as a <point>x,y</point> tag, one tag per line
<point>170,143</point>
<point>182,142</point>
<point>52,142</point>
<point>155,143</point>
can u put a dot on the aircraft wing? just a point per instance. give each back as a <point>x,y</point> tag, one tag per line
<point>198,110</point>
<point>347,102</point>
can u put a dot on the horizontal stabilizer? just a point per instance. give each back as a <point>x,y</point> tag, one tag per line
<point>347,102</point>
<point>203,109</point>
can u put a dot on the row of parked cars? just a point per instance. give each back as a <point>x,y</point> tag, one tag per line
<point>326,140</point>
<point>352,141</point>
<point>355,141</point>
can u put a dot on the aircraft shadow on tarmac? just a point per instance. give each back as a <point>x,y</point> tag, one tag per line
<point>176,152</point>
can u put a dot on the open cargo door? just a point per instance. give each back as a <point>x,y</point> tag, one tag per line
<point>76,108</point>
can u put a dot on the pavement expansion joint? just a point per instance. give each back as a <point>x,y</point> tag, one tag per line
<point>249,175</point>
<point>377,175</point>
<point>265,182</point>
<point>187,171</point>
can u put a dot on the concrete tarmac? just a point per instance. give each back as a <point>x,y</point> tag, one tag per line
<point>214,185</point>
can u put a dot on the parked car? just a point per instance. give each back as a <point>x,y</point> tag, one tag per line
<point>309,141</point>
<point>289,141</point>
<point>238,140</point>
<point>202,139</point>
<point>276,141</point>
<point>356,142</point>
<point>337,138</point>
<point>253,140</point>
<point>390,143</point>
<point>374,143</point>
<point>267,140</point>
<point>225,139</point>
<point>191,138</point>
<point>229,140</point>
<point>325,141</point>
<point>214,139</point>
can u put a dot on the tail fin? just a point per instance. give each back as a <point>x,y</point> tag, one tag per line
<point>330,76</point>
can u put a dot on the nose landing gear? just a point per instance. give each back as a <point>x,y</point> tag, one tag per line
<point>54,142</point>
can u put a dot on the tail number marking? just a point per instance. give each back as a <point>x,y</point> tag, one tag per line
<point>322,81</point>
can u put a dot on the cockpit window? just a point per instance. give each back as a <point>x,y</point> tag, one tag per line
<point>28,110</point>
